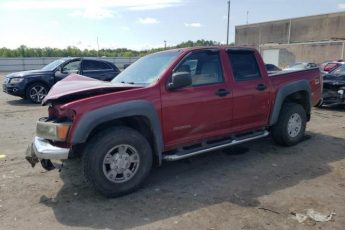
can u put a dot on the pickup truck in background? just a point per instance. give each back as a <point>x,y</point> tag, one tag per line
<point>169,106</point>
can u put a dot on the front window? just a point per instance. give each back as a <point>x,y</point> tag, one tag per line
<point>71,67</point>
<point>147,69</point>
<point>51,66</point>
<point>204,67</point>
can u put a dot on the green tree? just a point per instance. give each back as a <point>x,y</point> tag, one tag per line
<point>71,51</point>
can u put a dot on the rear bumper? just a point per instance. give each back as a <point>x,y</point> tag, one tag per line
<point>41,149</point>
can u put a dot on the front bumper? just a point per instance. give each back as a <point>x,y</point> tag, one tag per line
<point>333,97</point>
<point>41,149</point>
<point>14,89</point>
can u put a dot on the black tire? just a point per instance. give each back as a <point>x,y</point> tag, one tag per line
<point>47,165</point>
<point>280,131</point>
<point>101,145</point>
<point>36,92</point>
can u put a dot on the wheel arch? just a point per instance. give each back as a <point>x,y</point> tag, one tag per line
<point>297,92</point>
<point>139,115</point>
<point>35,82</point>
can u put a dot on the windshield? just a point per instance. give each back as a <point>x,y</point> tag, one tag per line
<point>339,71</point>
<point>147,69</point>
<point>51,66</point>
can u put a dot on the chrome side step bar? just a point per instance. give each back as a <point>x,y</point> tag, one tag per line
<point>212,147</point>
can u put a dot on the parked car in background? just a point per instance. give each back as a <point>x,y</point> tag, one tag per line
<point>35,84</point>
<point>334,87</point>
<point>301,66</point>
<point>272,68</point>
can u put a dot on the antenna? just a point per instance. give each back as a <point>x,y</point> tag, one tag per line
<point>247,16</point>
<point>227,28</point>
<point>97,47</point>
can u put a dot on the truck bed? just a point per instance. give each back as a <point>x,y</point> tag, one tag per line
<point>312,75</point>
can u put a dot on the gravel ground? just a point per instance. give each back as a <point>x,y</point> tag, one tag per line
<point>254,189</point>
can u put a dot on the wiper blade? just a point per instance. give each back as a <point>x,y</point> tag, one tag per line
<point>123,82</point>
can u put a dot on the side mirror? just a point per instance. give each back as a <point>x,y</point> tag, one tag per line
<point>58,73</point>
<point>180,80</point>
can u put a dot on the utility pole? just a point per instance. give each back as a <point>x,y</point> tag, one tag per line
<point>165,44</point>
<point>247,16</point>
<point>97,47</point>
<point>227,28</point>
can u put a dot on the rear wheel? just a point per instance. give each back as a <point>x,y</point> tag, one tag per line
<point>290,128</point>
<point>36,92</point>
<point>117,161</point>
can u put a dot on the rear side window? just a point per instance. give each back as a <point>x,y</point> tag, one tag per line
<point>244,65</point>
<point>95,65</point>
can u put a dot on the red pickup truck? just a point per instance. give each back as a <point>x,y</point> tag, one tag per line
<point>169,106</point>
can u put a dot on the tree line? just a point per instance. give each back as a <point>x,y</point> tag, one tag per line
<point>71,51</point>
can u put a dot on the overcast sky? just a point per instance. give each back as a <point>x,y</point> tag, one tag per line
<point>138,24</point>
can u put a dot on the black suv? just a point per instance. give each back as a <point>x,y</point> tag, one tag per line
<point>35,84</point>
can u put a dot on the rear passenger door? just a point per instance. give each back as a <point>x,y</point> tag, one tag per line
<point>251,91</point>
<point>98,70</point>
<point>203,110</point>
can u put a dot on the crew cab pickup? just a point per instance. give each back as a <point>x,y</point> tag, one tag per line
<point>169,106</point>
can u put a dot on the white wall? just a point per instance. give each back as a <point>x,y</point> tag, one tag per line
<point>271,56</point>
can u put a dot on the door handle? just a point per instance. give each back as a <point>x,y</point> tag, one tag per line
<point>222,92</point>
<point>261,87</point>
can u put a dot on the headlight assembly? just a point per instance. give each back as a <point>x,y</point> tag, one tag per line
<point>16,80</point>
<point>52,131</point>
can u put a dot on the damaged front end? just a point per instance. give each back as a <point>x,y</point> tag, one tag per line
<point>50,146</point>
<point>42,150</point>
<point>49,156</point>
<point>333,93</point>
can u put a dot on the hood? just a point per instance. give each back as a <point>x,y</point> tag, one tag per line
<point>76,86</point>
<point>334,77</point>
<point>27,73</point>
<point>334,82</point>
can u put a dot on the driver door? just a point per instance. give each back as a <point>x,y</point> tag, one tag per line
<point>67,69</point>
<point>203,110</point>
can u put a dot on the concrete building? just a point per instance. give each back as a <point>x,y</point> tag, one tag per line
<point>312,39</point>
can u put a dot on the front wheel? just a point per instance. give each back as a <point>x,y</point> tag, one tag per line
<point>36,92</point>
<point>117,161</point>
<point>290,128</point>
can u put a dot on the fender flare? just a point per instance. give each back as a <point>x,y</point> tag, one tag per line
<point>94,118</point>
<point>285,91</point>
